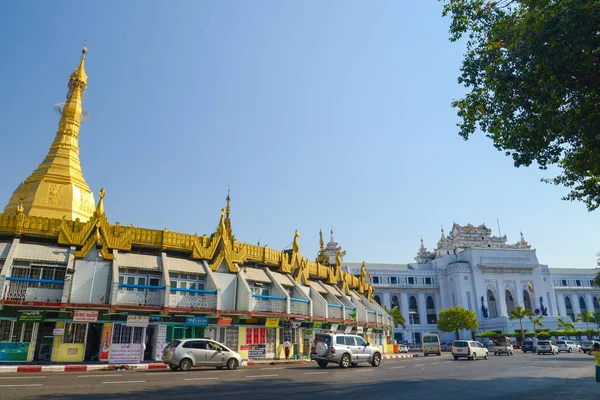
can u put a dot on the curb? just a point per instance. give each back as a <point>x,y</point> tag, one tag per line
<point>78,368</point>
<point>396,356</point>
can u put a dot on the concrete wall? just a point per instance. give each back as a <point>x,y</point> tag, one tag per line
<point>81,284</point>
<point>228,285</point>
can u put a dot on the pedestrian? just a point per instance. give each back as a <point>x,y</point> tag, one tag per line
<point>596,353</point>
<point>286,349</point>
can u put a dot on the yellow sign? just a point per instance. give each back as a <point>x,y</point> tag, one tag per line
<point>272,323</point>
<point>317,324</point>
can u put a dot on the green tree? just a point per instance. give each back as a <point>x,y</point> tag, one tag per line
<point>536,321</point>
<point>454,319</point>
<point>396,316</point>
<point>519,313</point>
<point>564,325</point>
<point>587,317</point>
<point>532,73</point>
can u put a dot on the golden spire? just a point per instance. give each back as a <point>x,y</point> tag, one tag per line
<point>227,211</point>
<point>57,189</point>
<point>321,242</point>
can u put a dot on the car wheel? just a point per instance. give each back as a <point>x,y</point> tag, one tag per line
<point>322,364</point>
<point>570,350</point>
<point>376,360</point>
<point>185,364</point>
<point>455,357</point>
<point>439,354</point>
<point>345,361</point>
<point>495,354</point>
<point>486,356</point>
<point>473,357</point>
<point>425,354</point>
<point>232,364</point>
<point>174,367</point>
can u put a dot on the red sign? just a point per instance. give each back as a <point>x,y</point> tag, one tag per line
<point>256,335</point>
<point>106,341</point>
<point>263,336</point>
<point>249,335</point>
<point>224,321</point>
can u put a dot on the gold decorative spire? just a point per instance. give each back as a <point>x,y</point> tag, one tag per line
<point>227,219</point>
<point>295,246</point>
<point>321,242</point>
<point>57,189</point>
<point>100,207</point>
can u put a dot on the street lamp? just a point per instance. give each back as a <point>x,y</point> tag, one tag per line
<point>412,323</point>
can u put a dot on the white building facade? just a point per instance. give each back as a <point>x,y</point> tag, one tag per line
<point>480,272</point>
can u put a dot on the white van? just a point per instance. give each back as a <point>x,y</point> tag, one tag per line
<point>431,344</point>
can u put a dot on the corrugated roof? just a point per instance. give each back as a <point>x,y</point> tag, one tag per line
<point>316,286</point>
<point>40,252</point>
<point>185,266</point>
<point>138,261</point>
<point>4,247</point>
<point>282,279</point>
<point>257,275</point>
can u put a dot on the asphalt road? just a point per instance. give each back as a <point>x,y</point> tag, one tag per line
<point>522,376</point>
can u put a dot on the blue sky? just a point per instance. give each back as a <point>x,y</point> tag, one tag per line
<point>315,113</point>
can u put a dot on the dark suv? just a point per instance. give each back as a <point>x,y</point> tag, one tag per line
<point>528,346</point>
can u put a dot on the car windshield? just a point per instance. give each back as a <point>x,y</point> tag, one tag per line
<point>430,339</point>
<point>460,344</point>
<point>586,343</point>
<point>323,338</point>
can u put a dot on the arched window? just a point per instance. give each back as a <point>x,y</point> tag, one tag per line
<point>569,307</point>
<point>596,305</point>
<point>395,302</point>
<point>377,299</point>
<point>510,301</point>
<point>431,314</point>
<point>582,305</point>
<point>527,300</point>
<point>492,306</point>
<point>412,308</point>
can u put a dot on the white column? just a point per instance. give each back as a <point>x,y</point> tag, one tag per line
<point>404,306</point>
<point>519,301</point>
<point>501,301</point>
<point>562,308</point>
<point>386,300</point>
<point>422,308</point>
<point>589,300</point>
<point>575,303</point>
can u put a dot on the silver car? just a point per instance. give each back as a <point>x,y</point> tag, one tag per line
<point>342,349</point>
<point>187,353</point>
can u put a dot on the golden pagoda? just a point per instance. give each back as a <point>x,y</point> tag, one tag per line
<point>57,189</point>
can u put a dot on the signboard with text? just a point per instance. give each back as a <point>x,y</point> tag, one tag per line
<point>126,353</point>
<point>85,316</point>
<point>196,321</point>
<point>30,316</point>
<point>139,321</point>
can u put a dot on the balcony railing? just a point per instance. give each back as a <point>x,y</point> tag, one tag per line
<point>140,295</point>
<point>274,304</point>
<point>193,298</point>
<point>348,312</point>
<point>299,306</point>
<point>334,311</point>
<point>371,316</point>
<point>27,289</point>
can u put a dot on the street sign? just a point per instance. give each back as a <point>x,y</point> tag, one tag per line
<point>196,321</point>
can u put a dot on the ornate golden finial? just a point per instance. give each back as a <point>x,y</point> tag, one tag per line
<point>85,49</point>
<point>20,209</point>
<point>363,270</point>
<point>338,258</point>
<point>228,198</point>
<point>321,242</point>
<point>295,246</point>
<point>100,207</point>
<point>222,212</point>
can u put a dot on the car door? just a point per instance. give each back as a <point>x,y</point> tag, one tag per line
<point>351,345</point>
<point>193,349</point>
<point>215,354</point>
<point>479,349</point>
<point>362,349</point>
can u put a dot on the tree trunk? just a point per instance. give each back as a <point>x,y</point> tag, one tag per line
<point>457,335</point>
<point>522,331</point>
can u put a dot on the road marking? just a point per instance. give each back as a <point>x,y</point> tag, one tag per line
<point>260,376</point>
<point>125,382</point>
<point>446,362</point>
<point>363,370</point>
<point>200,379</point>
<point>98,376</point>
<point>33,384</point>
<point>434,363</point>
<point>419,365</point>
<point>22,377</point>
<point>315,373</point>
<point>164,373</point>
<point>273,368</point>
<point>404,366</point>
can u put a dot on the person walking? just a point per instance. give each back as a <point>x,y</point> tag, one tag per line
<point>286,349</point>
<point>595,352</point>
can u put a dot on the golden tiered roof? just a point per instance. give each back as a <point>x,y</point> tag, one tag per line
<point>57,187</point>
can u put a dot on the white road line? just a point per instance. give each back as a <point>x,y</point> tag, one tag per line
<point>315,373</point>
<point>445,362</point>
<point>273,368</point>
<point>124,382</point>
<point>363,370</point>
<point>33,384</point>
<point>260,376</point>
<point>98,376</point>
<point>419,365</point>
<point>404,366</point>
<point>22,377</point>
<point>164,373</point>
<point>200,379</point>
<point>434,363</point>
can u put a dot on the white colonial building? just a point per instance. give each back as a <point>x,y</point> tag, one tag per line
<point>480,272</point>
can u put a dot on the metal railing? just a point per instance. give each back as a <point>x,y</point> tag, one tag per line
<point>28,289</point>
<point>193,298</point>
<point>140,295</point>
<point>371,316</point>
<point>274,304</point>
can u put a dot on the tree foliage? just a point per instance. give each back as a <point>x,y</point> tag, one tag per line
<point>519,313</point>
<point>454,319</point>
<point>397,316</point>
<point>532,68</point>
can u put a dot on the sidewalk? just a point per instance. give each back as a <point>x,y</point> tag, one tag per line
<point>146,366</point>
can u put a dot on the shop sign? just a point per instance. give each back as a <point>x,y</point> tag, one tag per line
<point>127,353</point>
<point>348,329</point>
<point>317,324</point>
<point>58,332</point>
<point>196,321</point>
<point>30,316</point>
<point>369,331</point>
<point>296,323</point>
<point>257,352</point>
<point>359,329</point>
<point>106,341</point>
<point>334,327</point>
<point>14,351</point>
<point>225,321</point>
<point>139,321</point>
<point>85,316</point>
<point>272,323</point>
<point>209,334</point>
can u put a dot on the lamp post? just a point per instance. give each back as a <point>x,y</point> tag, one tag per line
<point>412,323</point>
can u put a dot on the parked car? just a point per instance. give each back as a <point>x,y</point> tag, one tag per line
<point>402,348</point>
<point>546,347</point>
<point>345,350</point>
<point>528,345</point>
<point>567,345</point>
<point>587,345</point>
<point>469,349</point>
<point>187,353</point>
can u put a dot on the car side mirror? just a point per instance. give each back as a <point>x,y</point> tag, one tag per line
<point>368,344</point>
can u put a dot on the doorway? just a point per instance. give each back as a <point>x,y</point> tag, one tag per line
<point>92,342</point>
<point>44,341</point>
